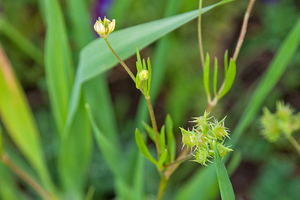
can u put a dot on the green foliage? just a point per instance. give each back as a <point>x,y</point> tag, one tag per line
<point>223,178</point>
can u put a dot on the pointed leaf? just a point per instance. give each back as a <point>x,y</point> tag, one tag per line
<point>223,178</point>
<point>162,138</point>
<point>150,75</point>
<point>215,76</point>
<point>143,148</point>
<point>149,130</point>
<point>162,159</point>
<point>206,76</point>
<point>229,78</point>
<point>226,62</point>
<point>171,141</point>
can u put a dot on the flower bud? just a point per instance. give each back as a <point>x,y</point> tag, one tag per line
<point>105,27</point>
<point>143,75</point>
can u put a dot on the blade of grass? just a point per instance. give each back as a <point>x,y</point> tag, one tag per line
<point>19,122</point>
<point>225,186</point>
<point>58,63</point>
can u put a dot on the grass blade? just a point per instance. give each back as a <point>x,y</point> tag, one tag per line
<point>19,122</point>
<point>223,178</point>
<point>58,63</point>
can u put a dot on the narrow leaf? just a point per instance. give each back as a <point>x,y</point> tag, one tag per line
<point>58,64</point>
<point>150,75</point>
<point>226,61</point>
<point>149,130</point>
<point>19,122</point>
<point>229,79</point>
<point>162,158</point>
<point>215,76</point>
<point>143,148</point>
<point>223,178</point>
<point>162,138</point>
<point>170,138</point>
<point>206,76</point>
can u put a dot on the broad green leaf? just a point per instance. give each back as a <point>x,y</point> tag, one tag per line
<point>171,141</point>
<point>225,186</point>
<point>229,79</point>
<point>73,169</point>
<point>19,122</point>
<point>149,130</point>
<point>111,154</point>
<point>58,64</point>
<point>96,57</point>
<point>215,76</point>
<point>162,138</point>
<point>162,158</point>
<point>143,148</point>
<point>81,22</point>
<point>206,76</point>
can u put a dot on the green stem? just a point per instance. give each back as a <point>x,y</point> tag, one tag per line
<point>162,186</point>
<point>199,35</point>
<point>243,30</point>
<point>154,125</point>
<point>295,143</point>
<point>121,61</point>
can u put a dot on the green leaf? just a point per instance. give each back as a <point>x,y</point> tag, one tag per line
<point>223,178</point>
<point>19,122</point>
<point>1,141</point>
<point>96,58</point>
<point>139,65</point>
<point>206,76</point>
<point>110,153</point>
<point>226,62</point>
<point>229,79</point>
<point>81,22</point>
<point>58,64</point>
<point>162,138</point>
<point>150,75</point>
<point>215,76</point>
<point>149,130</point>
<point>162,158</point>
<point>171,141</point>
<point>143,148</point>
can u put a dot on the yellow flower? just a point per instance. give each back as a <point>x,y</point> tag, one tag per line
<point>105,27</point>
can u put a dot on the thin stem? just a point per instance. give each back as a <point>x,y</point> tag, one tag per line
<point>169,172</point>
<point>154,126</point>
<point>41,191</point>
<point>199,35</point>
<point>179,161</point>
<point>162,186</point>
<point>243,30</point>
<point>295,143</point>
<point>120,60</point>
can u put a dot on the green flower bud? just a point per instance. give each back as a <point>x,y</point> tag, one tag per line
<point>270,126</point>
<point>202,155</point>
<point>143,75</point>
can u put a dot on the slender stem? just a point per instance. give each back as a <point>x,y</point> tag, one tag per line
<point>121,61</point>
<point>41,191</point>
<point>243,30</point>
<point>199,35</point>
<point>295,143</point>
<point>154,126</point>
<point>179,161</point>
<point>162,186</point>
<point>169,172</point>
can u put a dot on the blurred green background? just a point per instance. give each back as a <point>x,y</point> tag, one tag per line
<point>267,171</point>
